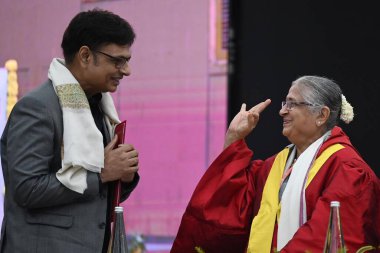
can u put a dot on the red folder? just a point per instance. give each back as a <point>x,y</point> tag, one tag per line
<point>120,132</point>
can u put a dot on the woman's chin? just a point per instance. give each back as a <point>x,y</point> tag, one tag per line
<point>285,131</point>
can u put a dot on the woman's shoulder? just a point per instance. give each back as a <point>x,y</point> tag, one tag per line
<point>349,173</point>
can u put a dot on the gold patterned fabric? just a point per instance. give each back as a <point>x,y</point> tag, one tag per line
<point>72,96</point>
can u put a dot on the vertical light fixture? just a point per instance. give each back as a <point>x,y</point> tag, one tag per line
<point>11,66</point>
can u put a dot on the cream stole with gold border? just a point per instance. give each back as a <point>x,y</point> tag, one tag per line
<point>83,148</point>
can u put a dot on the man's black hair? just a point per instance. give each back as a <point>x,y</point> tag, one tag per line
<point>95,28</point>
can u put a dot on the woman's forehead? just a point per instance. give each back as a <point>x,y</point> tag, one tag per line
<point>294,93</point>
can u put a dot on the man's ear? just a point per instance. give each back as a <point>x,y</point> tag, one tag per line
<point>84,55</point>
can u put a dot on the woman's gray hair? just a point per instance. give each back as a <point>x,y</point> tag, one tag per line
<point>324,92</point>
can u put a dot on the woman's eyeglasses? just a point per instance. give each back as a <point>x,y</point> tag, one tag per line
<point>289,105</point>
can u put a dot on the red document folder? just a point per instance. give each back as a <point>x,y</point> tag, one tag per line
<point>120,132</point>
<point>115,233</point>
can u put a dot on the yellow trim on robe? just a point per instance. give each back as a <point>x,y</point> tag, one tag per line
<point>260,238</point>
<point>321,160</point>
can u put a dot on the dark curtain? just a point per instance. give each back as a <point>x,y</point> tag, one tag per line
<point>273,42</point>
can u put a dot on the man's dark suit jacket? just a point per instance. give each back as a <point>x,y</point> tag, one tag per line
<point>40,214</point>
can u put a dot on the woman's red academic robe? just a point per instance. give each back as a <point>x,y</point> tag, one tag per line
<point>227,198</point>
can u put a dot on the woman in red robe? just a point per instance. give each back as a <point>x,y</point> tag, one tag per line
<point>282,204</point>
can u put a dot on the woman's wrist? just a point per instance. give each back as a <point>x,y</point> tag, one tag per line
<point>230,138</point>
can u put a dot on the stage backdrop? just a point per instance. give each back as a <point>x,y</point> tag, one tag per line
<point>274,42</point>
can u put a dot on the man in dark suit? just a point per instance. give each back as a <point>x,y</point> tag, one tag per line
<point>58,149</point>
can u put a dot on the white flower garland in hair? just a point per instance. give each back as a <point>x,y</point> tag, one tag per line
<point>347,113</point>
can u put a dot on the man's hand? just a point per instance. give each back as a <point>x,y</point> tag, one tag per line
<point>119,163</point>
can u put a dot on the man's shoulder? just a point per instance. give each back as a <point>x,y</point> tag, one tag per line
<point>44,90</point>
<point>42,98</point>
<point>44,94</point>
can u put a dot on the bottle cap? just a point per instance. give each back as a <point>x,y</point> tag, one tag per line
<point>334,204</point>
<point>118,209</point>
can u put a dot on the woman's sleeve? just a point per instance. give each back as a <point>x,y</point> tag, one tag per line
<point>219,214</point>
